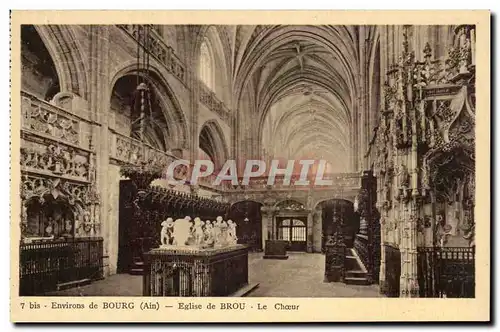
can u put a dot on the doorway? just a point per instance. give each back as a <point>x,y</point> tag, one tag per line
<point>293,230</point>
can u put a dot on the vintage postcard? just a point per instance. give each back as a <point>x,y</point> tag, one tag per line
<point>260,166</point>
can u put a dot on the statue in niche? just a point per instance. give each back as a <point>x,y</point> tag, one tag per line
<point>182,231</point>
<point>404,177</point>
<point>231,232</point>
<point>49,228</point>
<point>167,231</point>
<point>441,232</point>
<point>68,227</point>
<point>198,231</point>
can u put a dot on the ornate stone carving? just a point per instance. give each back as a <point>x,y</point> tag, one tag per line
<point>59,160</point>
<point>47,119</point>
<point>209,99</point>
<point>157,47</point>
<point>77,195</point>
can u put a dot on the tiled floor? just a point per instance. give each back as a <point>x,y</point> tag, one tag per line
<point>299,276</point>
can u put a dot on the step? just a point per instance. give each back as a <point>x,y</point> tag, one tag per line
<point>356,281</point>
<point>245,290</point>
<point>355,273</point>
<point>71,284</point>
<point>136,271</point>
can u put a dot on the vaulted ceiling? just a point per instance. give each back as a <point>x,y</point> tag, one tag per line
<point>300,84</point>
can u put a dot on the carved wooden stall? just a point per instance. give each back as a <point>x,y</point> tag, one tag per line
<point>425,166</point>
<point>335,252</point>
<point>153,204</point>
<point>367,240</point>
<point>60,241</point>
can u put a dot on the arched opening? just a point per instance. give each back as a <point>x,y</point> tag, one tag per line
<point>206,65</point>
<point>49,219</point>
<point>291,224</point>
<point>338,210</point>
<point>39,76</point>
<point>163,124</point>
<point>212,145</point>
<point>248,218</point>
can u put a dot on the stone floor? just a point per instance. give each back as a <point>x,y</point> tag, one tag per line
<point>299,276</point>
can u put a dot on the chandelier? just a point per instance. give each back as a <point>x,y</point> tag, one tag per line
<point>146,169</point>
<point>141,97</point>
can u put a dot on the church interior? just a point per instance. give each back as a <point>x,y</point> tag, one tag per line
<point>107,108</point>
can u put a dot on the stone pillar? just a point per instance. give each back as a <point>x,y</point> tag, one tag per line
<point>383,225</point>
<point>317,230</point>
<point>409,279</point>
<point>99,102</point>
<point>310,221</point>
<point>267,223</point>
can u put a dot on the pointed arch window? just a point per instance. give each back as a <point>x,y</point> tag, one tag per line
<point>206,66</point>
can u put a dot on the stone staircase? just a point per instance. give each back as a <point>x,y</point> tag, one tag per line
<point>355,271</point>
<point>137,267</point>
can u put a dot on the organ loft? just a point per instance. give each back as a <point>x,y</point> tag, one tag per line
<point>248,160</point>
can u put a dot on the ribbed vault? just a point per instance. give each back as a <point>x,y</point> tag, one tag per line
<point>304,83</point>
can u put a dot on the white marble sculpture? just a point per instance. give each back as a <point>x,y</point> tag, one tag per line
<point>223,239</point>
<point>209,240</point>
<point>167,231</point>
<point>216,230</point>
<point>231,232</point>
<point>198,231</point>
<point>182,231</point>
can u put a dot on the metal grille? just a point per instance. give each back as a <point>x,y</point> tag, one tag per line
<point>446,272</point>
<point>43,266</point>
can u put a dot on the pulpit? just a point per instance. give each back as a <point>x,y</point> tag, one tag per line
<point>196,272</point>
<point>276,249</point>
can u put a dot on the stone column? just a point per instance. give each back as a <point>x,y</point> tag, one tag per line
<point>409,279</point>
<point>309,239</point>
<point>383,225</point>
<point>317,230</point>
<point>99,103</point>
<point>267,223</point>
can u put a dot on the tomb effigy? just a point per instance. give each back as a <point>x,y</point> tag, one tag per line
<point>196,258</point>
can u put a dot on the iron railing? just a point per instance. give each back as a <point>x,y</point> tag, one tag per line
<point>44,266</point>
<point>446,272</point>
<point>392,270</point>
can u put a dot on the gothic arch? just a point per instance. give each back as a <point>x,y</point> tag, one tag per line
<point>212,141</point>
<point>66,51</point>
<point>323,200</point>
<point>209,36</point>
<point>290,202</point>
<point>173,114</point>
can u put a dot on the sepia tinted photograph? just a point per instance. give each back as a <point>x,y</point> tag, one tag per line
<point>287,161</point>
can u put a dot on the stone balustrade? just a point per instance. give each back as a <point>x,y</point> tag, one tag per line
<point>158,48</point>
<point>132,151</point>
<point>210,100</point>
<point>341,180</point>
<point>48,120</point>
